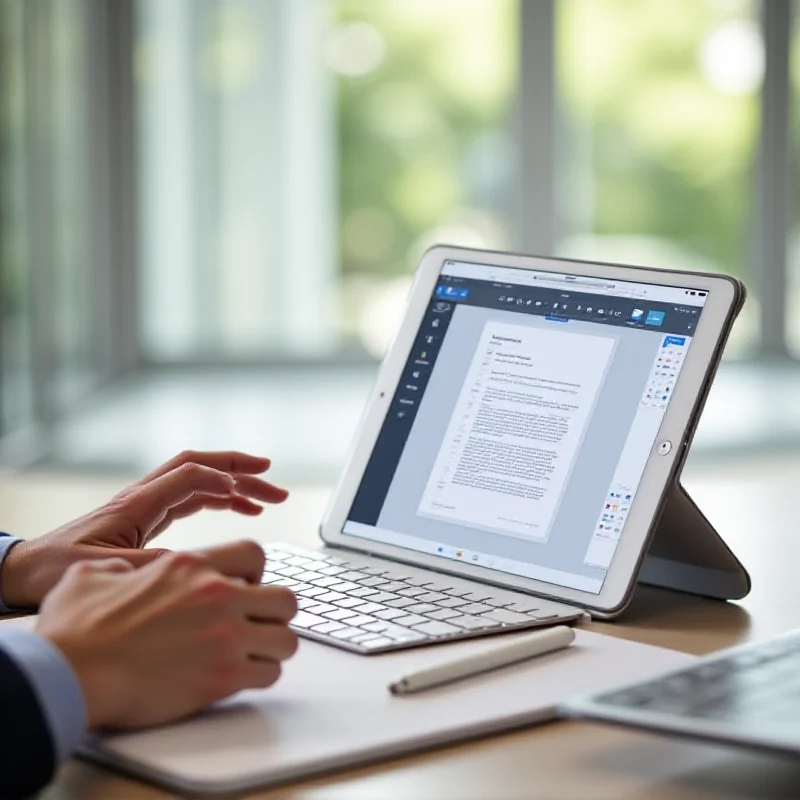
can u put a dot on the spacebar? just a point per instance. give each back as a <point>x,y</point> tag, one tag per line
<point>305,620</point>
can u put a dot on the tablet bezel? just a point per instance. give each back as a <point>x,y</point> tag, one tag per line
<point>722,303</point>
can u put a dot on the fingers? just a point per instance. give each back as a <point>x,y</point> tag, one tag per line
<point>257,489</point>
<point>237,503</point>
<point>242,559</point>
<point>268,603</point>
<point>138,558</point>
<point>269,642</point>
<point>257,674</point>
<point>114,565</point>
<point>224,461</point>
<point>150,502</point>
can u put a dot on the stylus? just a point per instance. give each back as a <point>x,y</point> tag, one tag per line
<point>534,644</point>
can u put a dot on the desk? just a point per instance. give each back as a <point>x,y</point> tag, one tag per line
<point>754,511</point>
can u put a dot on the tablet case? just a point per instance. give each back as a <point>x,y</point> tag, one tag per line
<point>687,554</point>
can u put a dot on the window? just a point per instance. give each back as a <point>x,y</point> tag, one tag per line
<point>660,107</point>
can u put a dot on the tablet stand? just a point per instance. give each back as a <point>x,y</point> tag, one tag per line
<point>688,555</point>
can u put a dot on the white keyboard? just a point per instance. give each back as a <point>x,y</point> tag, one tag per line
<point>369,605</point>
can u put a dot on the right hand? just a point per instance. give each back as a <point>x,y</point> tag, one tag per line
<point>155,644</point>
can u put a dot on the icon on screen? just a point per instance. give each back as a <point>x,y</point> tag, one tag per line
<point>435,323</point>
<point>654,318</point>
<point>637,314</point>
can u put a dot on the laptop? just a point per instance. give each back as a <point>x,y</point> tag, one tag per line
<point>527,425</point>
<point>748,695</point>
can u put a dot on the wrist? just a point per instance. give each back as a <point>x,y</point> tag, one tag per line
<point>94,678</point>
<point>16,574</point>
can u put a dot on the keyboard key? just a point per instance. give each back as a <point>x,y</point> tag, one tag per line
<point>319,608</point>
<point>434,628</point>
<point>473,623</point>
<point>306,602</point>
<point>377,627</point>
<point>287,582</point>
<point>360,620</point>
<point>372,581</point>
<point>458,591</point>
<point>326,581</point>
<point>351,576</point>
<point>270,577</point>
<point>298,587</point>
<point>380,597</point>
<point>369,608</point>
<point>417,581</point>
<point>443,613</point>
<point>420,608</point>
<point>302,619</point>
<point>276,555</point>
<point>507,617</point>
<point>373,644</point>
<point>346,633</point>
<point>390,613</point>
<point>339,614</point>
<point>477,597</point>
<point>392,586</point>
<point>310,576</point>
<point>431,597</point>
<point>332,570</point>
<point>329,597</point>
<point>349,602</point>
<point>525,606</point>
<point>374,570</point>
<point>411,592</point>
<point>364,637</point>
<point>401,602</point>
<point>475,608</point>
<point>438,586</point>
<point>314,591</point>
<point>406,635</point>
<point>499,602</point>
<point>409,619</point>
<point>343,586</point>
<point>451,602</point>
<point>298,561</point>
<point>543,614</point>
<point>328,627</point>
<point>288,572</point>
<point>363,591</point>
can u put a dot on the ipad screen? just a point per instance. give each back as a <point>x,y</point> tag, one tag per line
<point>524,419</point>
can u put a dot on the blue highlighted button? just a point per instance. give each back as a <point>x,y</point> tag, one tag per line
<point>452,292</point>
<point>654,318</point>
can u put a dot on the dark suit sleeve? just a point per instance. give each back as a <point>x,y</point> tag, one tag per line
<point>27,752</point>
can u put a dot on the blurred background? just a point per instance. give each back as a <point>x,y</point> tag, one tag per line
<point>211,210</point>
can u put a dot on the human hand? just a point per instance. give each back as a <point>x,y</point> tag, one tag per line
<point>155,644</point>
<point>121,528</point>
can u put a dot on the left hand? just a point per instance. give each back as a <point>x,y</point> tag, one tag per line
<point>120,529</point>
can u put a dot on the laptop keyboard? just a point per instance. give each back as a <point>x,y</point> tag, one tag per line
<point>385,606</point>
<point>756,683</point>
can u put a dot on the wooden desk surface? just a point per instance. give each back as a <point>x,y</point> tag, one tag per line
<point>754,508</point>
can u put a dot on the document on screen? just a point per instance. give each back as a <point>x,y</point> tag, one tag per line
<point>516,429</point>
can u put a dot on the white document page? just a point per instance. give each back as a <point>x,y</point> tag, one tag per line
<point>517,427</point>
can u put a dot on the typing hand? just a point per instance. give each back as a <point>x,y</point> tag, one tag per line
<point>121,528</point>
<point>155,644</point>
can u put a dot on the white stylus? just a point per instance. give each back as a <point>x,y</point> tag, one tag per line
<point>535,644</point>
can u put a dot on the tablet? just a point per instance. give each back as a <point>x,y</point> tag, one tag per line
<point>529,419</point>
